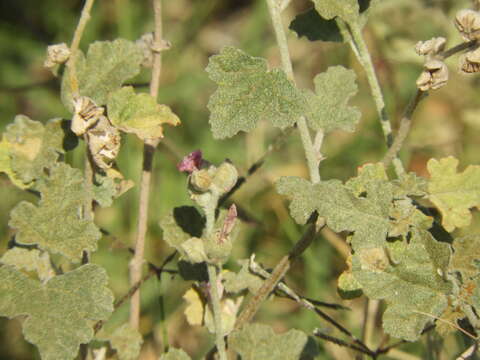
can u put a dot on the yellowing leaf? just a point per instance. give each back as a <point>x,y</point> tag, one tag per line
<point>466,256</point>
<point>327,107</point>
<point>408,276</point>
<point>248,92</point>
<point>56,224</point>
<point>258,341</point>
<point>453,193</point>
<point>106,67</point>
<point>194,311</point>
<point>126,341</point>
<point>61,313</point>
<point>139,113</point>
<point>28,147</point>
<point>29,260</point>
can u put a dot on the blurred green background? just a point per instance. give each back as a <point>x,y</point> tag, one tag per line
<point>446,123</point>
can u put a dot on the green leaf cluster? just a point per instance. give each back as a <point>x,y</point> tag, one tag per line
<point>248,92</point>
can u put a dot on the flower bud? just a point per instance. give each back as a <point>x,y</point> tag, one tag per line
<point>225,177</point>
<point>430,47</point>
<point>201,180</point>
<point>56,54</point>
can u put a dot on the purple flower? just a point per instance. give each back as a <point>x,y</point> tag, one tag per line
<point>191,162</point>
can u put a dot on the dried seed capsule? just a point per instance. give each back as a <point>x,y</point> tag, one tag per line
<point>434,76</point>
<point>103,143</point>
<point>470,63</point>
<point>468,24</point>
<point>430,47</point>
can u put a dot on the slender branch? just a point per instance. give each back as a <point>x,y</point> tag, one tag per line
<point>312,161</point>
<point>277,274</point>
<point>405,122</point>
<point>157,271</point>
<point>340,342</point>
<point>366,61</point>
<point>136,263</point>
<point>77,36</point>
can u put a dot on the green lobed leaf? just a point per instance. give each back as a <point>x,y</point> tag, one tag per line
<point>175,354</point>
<point>248,92</point>
<point>56,224</point>
<point>104,190</point>
<point>139,114</point>
<point>466,256</point>
<point>311,25</point>
<point>404,215</point>
<point>28,147</point>
<point>126,341</point>
<point>29,260</point>
<point>453,193</point>
<point>348,287</point>
<point>182,229</point>
<point>366,216</point>
<point>408,276</point>
<point>328,108</point>
<point>60,313</point>
<point>106,67</point>
<point>258,341</point>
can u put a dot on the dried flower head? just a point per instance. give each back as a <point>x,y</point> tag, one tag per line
<point>470,63</point>
<point>86,114</point>
<point>430,47</point>
<point>56,54</point>
<point>434,75</point>
<point>468,24</point>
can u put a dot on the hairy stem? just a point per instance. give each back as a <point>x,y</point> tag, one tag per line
<point>312,160</point>
<point>212,279</point>
<point>77,36</point>
<point>136,263</point>
<point>365,60</point>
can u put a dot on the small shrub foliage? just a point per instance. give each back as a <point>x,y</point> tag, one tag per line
<point>424,277</point>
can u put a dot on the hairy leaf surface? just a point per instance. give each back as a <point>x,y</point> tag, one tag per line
<point>408,276</point>
<point>347,10</point>
<point>139,114</point>
<point>28,147</point>
<point>60,313</point>
<point>366,216</point>
<point>258,341</point>
<point>247,92</point>
<point>328,107</point>
<point>244,279</point>
<point>56,224</point>
<point>453,193</point>
<point>106,67</point>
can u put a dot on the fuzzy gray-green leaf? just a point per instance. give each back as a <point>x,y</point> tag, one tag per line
<point>258,341</point>
<point>247,92</point>
<point>32,147</point>
<point>347,10</point>
<point>60,314</point>
<point>328,107</point>
<point>408,276</point>
<point>106,67</point>
<point>56,224</point>
<point>366,216</point>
